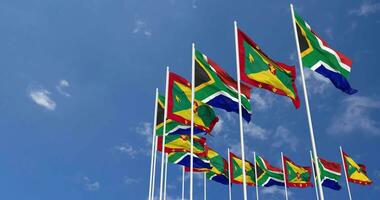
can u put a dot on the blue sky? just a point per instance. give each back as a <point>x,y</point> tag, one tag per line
<point>78,78</point>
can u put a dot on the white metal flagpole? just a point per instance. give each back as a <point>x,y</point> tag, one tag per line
<point>229,176</point>
<point>313,145</point>
<point>166,174</point>
<point>192,119</point>
<point>283,170</point>
<point>164,133</point>
<point>345,173</point>
<point>154,167</point>
<point>257,185</point>
<point>152,160</point>
<point>204,186</point>
<point>240,112</point>
<point>313,164</point>
<point>183,183</point>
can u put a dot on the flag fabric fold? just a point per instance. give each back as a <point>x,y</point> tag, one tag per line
<point>217,88</point>
<point>236,172</point>
<point>261,71</point>
<point>330,174</point>
<point>182,143</point>
<point>172,127</point>
<point>183,158</point>
<point>268,175</point>
<point>317,55</point>
<point>295,175</point>
<point>179,105</point>
<point>356,173</point>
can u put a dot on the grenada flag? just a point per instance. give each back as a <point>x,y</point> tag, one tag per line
<point>259,70</point>
<point>356,173</point>
<point>295,175</point>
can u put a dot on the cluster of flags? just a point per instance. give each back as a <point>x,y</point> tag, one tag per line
<point>188,108</point>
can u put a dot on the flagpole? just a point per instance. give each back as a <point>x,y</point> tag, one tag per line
<point>313,164</point>
<point>154,167</point>
<point>183,183</point>
<point>345,172</point>
<point>257,185</point>
<point>164,133</point>
<point>166,174</point>
<point>240,112</point>
<point>192,118</point>
<point>283,170</point>
<point>152,160</point>
<point>307,106</point>
<point>204,187</point>
<point>229,176</point>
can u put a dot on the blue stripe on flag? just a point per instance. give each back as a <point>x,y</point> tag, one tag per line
<point>273,182</point>
<point>331,184</point>
<point>337,79</point>
<point>197,162</point>
<point>229,105</point>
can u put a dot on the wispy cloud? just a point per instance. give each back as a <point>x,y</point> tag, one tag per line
<point>218,127</point>
<point>283,137</point>
<point>316,82</point>
<point>62,85</point>
<point>127,149</point>
<point>91,185</point>
<point>194,4</point>
<point>329,32</point>
<point>256,131</point>
<point>42,98</point>
<point>142,27</point>
<point>130,180</point>
<point>366,8</point>
<point>272,191</point>
<point>356,115</point>
<point>145,130</point>
<point>262,100</point>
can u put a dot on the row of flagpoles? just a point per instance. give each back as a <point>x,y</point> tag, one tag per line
<point>194,106</point>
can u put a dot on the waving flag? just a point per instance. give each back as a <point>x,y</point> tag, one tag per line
<point>215,87</point>
<point>182,143</point>
<point>179,105</point>
<point>261,71</point>
<point>268,175</point>
<point>172,127</point>
<point>219,170</point>
<point>317,55</point>
<point>236,172</point>
<point>356,173</point>
<point>330,174</point>
<point>183,158</point>
<point>295,175</point>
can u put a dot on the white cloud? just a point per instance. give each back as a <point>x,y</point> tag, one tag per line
<point>366,8</point>
<point>284,137</point>
<point>62,84</point>
<point>329,32</point>
<point>91,185</point>
<point>356,116</point>
<point>145,129</point>
<point>129,180</point>
<point>256,131</point>
<point>315,82</point>
<point>274,191</point>
<point>127,149</point>
<point>41,97</point>
<point>218,127</point>
<point>194,4</point>
<point>262,100</point>
<point>142,27</point>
